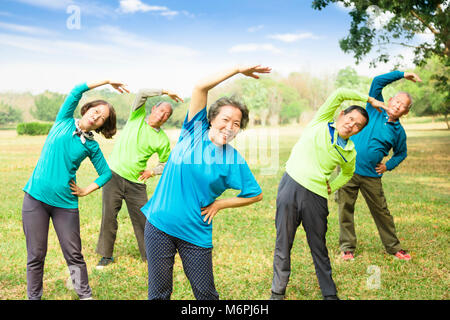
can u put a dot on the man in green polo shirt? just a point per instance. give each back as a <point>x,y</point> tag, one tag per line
<point>140,138</point>
<point>305,186</point>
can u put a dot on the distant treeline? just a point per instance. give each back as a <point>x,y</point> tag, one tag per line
<point>271,100</point>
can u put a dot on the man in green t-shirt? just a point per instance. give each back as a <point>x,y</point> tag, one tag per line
<point>140,138</point>
<point>305,186</point>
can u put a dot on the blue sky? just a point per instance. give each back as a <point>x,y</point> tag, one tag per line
<point>46,44</point>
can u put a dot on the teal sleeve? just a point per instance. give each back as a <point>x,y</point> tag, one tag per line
<point>378,84</point>
<point>101,166</point>
<point>71,102</point>
<point>400,152</point>
<point>241,178</point>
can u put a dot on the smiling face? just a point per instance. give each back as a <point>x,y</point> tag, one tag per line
<point>225,125</point>
<point>398,106</point>
<point>350,124</point>
<point>94,117</point>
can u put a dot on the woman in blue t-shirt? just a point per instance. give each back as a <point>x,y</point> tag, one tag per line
<point>52,192</point>
<point>201,167</point>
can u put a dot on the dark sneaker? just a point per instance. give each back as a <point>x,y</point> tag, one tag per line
<point>331,298</point>
<point>276,296</point>
<point>104,262</point>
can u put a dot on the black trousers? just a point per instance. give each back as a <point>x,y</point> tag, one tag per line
<point>297,205</point>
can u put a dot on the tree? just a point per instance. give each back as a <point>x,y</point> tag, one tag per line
<point>426,100</point>
<point>378,23</point>
<point>9,114</point>
<point>47,105</point>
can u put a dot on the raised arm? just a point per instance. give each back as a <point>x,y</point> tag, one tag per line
<point>381,81</point>
<point>327,110</point>
<point>143,94</point>
<point>119,86</point>
<point>199,96</point>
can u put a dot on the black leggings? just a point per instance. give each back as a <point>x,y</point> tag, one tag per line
<point>36,218</point>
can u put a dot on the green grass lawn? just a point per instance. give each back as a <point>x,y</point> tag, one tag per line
<point>418,194</point>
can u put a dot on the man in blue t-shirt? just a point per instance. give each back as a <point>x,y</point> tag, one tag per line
<point>383,133</point>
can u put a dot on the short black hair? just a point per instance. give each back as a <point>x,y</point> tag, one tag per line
<point>214,109</point>
<point>360,110</point>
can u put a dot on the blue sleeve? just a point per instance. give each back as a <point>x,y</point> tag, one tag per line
<point>400,152</point>
<point>378,84</point>
<point>101,166</point>
<point>70,104</point>
<point>196,127</point>
<point>241,178</point>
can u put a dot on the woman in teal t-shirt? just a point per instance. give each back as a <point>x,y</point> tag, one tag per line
<point>52,192</point>
<point>200,168</point>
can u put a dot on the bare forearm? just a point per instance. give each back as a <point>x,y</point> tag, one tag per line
<point>199,97</point>
<point>91,188</point>
<point>98,83</point>
<point>237,202</point>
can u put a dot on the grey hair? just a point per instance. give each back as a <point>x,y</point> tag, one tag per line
<point>214,109</point>
<point>408,95</point>
<point>161,102</point>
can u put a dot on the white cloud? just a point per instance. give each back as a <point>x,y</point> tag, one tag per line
<point>255,28</point>
<point>26,29</point>
<point>123,39</point>
<point>132,6</point>
<point>345,5</point>
<point>293,37</point>
<point>169,13</point>
<point>252,47</point>
<point>377,18</point>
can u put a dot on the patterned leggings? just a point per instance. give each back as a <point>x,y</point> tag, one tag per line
<point>197,264</point>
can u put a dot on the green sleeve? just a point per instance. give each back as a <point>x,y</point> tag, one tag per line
<point>164,151</point>
<point>328,109</point>
<point>346,173</point>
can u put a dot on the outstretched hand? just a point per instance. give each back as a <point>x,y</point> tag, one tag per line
<point>119,86</point>
<point>412,77</point>
<point>173,96</point>
<point>250,71</point>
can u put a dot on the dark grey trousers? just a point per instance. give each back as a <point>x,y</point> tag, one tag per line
<point>113,193</point>
<point>36,219</point>
<point>296,205</point>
